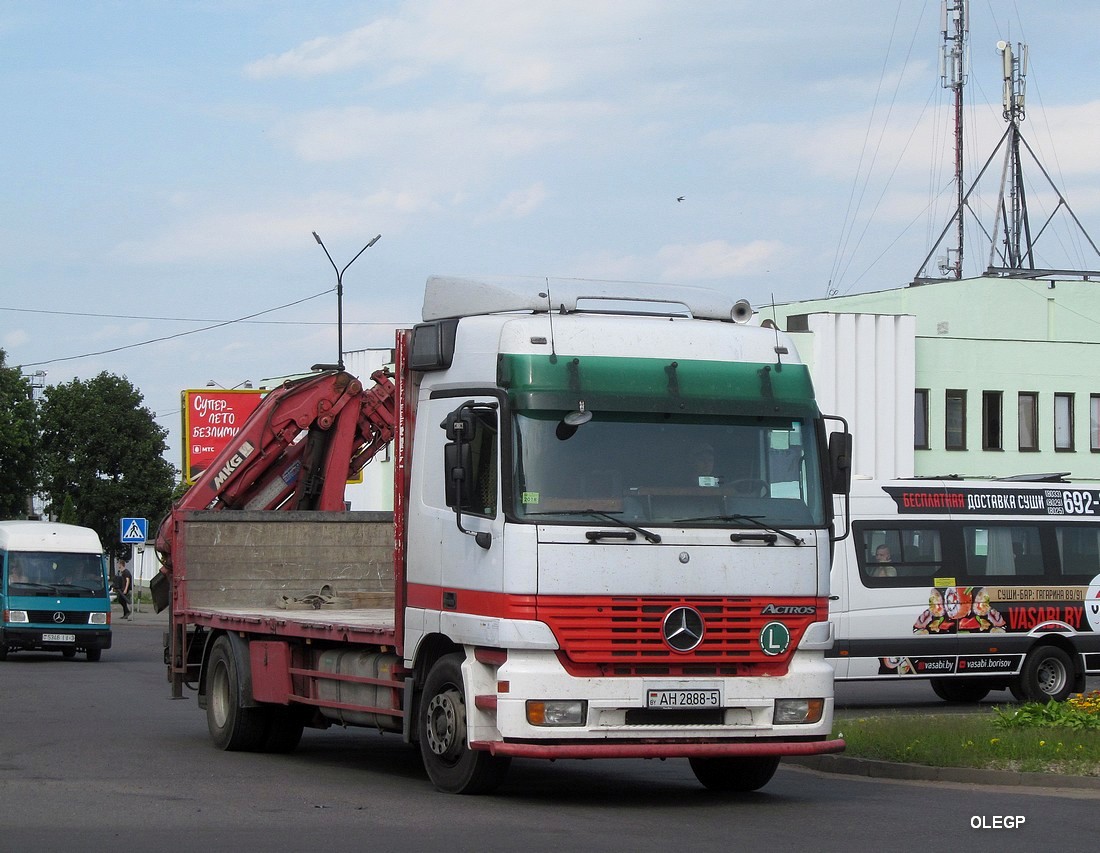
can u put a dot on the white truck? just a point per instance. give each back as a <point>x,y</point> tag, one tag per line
<point>611,538</point>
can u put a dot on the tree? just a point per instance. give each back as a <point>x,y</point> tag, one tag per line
<point>18,442</point>
<point>102,447</point>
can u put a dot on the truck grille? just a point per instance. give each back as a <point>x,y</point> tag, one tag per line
<point>50,617</point>
<point>621,635</point>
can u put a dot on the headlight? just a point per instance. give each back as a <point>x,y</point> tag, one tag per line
<point>16,616</point>
<point>798,711</point>
<point>97,618</point>
<point>557,712</point>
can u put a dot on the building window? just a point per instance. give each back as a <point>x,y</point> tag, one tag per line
<point>920,419</point>
<point>1029,420</point>
<point>1094,422</point>
<point>991,421</point>
<point>954,435</point>
<point>1063,422</point>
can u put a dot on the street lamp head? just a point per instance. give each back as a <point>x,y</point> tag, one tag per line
<point>318,239</point>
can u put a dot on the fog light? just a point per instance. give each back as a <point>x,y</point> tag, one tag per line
<point>798,711</point>
<point>557,712</point>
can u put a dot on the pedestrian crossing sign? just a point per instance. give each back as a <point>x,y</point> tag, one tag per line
<point>134,530</point>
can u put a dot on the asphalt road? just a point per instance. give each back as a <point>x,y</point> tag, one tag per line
<point>96,756</point>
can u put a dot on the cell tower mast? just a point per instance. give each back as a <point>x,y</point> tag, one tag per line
<point>955,24</point>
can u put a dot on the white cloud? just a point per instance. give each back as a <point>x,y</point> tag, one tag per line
<point>523,48</point>
<point>226,234</point>
<point>15,338</point>
<point>522,202</point>
<point>716,259</point>
<point>685,263</point>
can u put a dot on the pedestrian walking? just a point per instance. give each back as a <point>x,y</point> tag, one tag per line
<point>124,584</point>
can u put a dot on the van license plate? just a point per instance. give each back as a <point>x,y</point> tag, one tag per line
<point>705,698</point>
<point>59,638</point>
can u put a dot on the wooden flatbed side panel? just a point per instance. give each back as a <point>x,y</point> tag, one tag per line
<point>287,561</point>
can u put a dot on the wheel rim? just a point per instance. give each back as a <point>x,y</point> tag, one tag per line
<point>219,696</point>
<point>446,728</point>
<point>1051,677</point>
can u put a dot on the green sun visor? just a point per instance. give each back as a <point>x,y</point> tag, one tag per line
<point>541,382</point>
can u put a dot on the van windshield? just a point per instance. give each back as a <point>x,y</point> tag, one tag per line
<point>662,469</point>
<point>44,573</point>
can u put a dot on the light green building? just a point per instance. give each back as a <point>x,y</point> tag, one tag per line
<point>982,377</point>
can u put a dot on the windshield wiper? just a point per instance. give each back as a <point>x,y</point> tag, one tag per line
<point>649,535</point>
<point>755,519</point>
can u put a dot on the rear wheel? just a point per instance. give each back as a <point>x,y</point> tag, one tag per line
<point>452,766</point>
<point>232,726</point>
<point>1047,675</point>
<point>960,691</point>
<point>735,774</point>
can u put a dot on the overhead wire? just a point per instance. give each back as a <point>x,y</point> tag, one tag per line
<point>216,325</point>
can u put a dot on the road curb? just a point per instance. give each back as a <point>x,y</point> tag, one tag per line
<point>850,766</point>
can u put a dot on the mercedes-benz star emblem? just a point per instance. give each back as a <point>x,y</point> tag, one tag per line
<point>683,629</point>
<point>59,617</point>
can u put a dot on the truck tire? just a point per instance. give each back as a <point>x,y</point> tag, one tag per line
<point>232,726</point>
<point>961,691</point>
<point>3,651</point>
<point>734,774</point>
<point>94,654</point>
<point>451,765</point>
<point>1047,675</point>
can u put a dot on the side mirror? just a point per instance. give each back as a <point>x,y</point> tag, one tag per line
<point>458,480</point>
<point>456,473</point>
<point>840,462</point>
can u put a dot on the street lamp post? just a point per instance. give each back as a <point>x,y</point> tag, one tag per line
<point>340,301</point>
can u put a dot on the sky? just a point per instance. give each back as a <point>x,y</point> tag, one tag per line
<point>164,164</point>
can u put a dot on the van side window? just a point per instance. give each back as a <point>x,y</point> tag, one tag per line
<point>1007,550</point>
<point>901,552</point>
<point>1079,550</point>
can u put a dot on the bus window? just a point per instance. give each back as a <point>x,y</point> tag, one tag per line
<point>1003,550</point>
<point>908,552</point>
<point>1079,550</point>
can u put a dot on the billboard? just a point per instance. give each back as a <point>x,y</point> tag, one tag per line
<point>211,419</point>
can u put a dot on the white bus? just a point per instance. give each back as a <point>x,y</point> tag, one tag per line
<point>975,585</point>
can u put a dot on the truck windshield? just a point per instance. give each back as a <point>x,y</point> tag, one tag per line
<point>660,469</point>
<point>44,573</point>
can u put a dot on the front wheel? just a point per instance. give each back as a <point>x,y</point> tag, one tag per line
<point>734,774</point>
<point>94,654</point>
<point>960,691</point>
<point>232,726</point>
<point>1047,675</point>
<point>452,766</point>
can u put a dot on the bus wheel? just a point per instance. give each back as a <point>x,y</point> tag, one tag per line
<point>1047,675</point>
<point>452,766</point>
<point>232,726</point>
<point>734,774</point>
<point>960,691</point>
